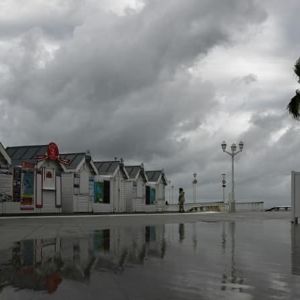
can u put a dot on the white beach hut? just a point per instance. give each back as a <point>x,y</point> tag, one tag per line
<point>36,179</point>
<point>109,186</point>
<point>155,191</point>
<point>135,192</point>
<point>78,183</point>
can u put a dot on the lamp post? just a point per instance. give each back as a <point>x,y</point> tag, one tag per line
<point>233,153</point>
<point>194,187</point>
<point>169,182</point>
<point>224,185</point>
<point>172,187</point>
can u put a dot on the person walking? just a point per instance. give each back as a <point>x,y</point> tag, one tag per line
<point>181,200</point>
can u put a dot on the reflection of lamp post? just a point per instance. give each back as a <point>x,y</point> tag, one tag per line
<point>223,185</point>
<point>233,153</point>
<point>194,187</point>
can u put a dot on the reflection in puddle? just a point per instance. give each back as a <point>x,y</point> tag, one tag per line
<point>42,264</point>
<point>216,260</point>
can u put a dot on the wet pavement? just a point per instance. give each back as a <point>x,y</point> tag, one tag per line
<point>173,256</point>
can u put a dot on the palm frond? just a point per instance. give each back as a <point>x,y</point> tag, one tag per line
<point>297,68</point>
<point>294,106</point>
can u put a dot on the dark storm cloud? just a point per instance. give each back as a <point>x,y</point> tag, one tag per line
<point>121,85</point>
<point>111,60</point>
<point>56,19</point>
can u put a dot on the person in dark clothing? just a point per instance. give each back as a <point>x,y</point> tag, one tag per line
<point>181,200</point>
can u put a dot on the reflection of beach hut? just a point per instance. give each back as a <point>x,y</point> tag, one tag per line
<point>109,186</point>
<point>155,190</point>
<point>78,183</point>
<point>135,191</point>
<point>36,179</point>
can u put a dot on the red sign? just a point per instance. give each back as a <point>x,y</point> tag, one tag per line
<point>53,154</point>
<point>52,151</point>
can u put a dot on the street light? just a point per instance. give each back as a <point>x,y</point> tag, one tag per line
<point>172,187</point>
<point>194,187</point>
<point>224,185</point>
<point>233,153</point>
<point>169,182</point>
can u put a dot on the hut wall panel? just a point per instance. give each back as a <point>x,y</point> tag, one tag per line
<point>140,206</point>
<point>140,188</point>
<point>49,202</point>
<point>128,195</point>
<point>67,193</point>
<point>102,207</point>
<point>122,205</point>
<point>81,203</point>
<point>13,208</point>
<point>84,181</point>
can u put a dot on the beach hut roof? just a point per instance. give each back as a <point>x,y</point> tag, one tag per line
<point>155,176</point>
<point>135,171</point>
<point>109,168</point>
<point>76,160</point>
<point>19,154</point>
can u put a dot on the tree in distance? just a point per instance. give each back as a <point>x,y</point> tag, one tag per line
<point>294,105</point>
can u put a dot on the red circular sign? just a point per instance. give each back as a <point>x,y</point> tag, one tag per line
<point>52,151</point>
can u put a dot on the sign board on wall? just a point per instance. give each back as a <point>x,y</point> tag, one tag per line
<point>49,179</point>
<point>17,184</point>
<point>27,189</point>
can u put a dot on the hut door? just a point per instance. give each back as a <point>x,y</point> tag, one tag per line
<point>147,194</point>
<point>106,192</point>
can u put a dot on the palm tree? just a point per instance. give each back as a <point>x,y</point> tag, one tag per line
<point>294,105</point>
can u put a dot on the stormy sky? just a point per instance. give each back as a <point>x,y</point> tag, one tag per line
<point>158,82</point>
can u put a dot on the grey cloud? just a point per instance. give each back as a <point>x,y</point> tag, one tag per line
<point>121,85</point>
<point>247,79</point>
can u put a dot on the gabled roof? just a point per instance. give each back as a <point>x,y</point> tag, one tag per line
<point>76,161</point>
<point>135,171</point>
<point>155,176</point>
<point>18,154</point>
<point>4,155</point>
<point>109,168</point>
<point>74,158</point>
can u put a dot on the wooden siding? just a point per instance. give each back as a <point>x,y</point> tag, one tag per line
<point>6,184</point>
<point>67,192</point>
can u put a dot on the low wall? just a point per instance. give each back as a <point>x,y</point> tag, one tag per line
<point>249,206</point>
<point>217,206</point>
<point>204,206</point>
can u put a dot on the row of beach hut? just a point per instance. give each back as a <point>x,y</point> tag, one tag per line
<point>39,179</point>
